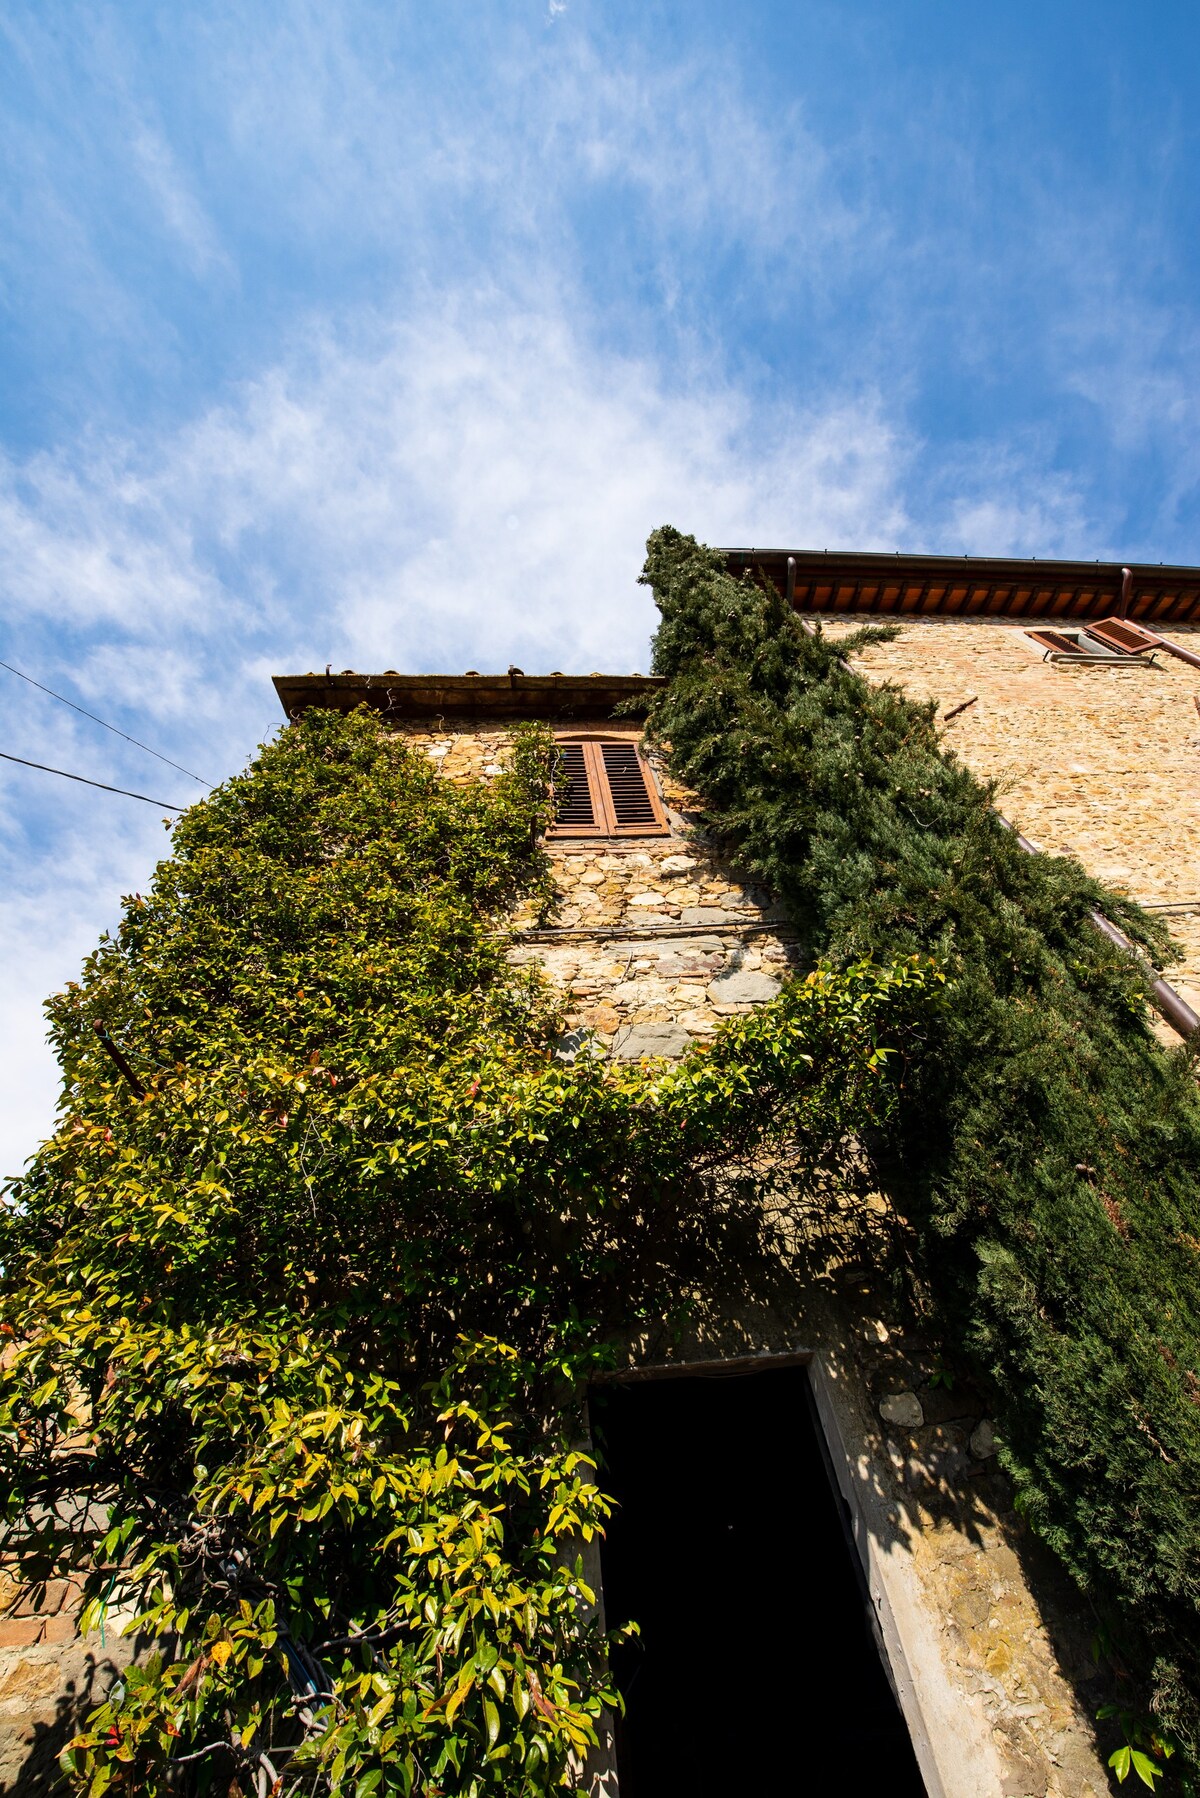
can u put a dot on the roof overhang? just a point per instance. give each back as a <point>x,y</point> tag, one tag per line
<point>554,697</point>
<point>970,586</point>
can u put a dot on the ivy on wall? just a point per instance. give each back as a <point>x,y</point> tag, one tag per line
<point>299,1296</point>
<point>1044,1146</point>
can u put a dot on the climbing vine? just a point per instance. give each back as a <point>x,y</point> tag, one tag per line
<point>300,1296</point>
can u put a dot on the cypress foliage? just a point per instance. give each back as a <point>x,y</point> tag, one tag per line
<point>1045,1148</point>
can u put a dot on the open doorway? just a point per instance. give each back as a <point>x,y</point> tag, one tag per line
<point>757,1669</point>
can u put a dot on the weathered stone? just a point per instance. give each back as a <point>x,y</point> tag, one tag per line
<point>680,964</point>
<point>677,864</point>
<point>742,988</point>
<point>902,1409</point>
<point>708,914</point>
<point>699,1023</point>
<point>667,1040</point>
<point>983,1441</point>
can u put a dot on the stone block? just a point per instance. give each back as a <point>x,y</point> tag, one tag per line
<point>53,1595</point>
<point>659,1040</point>
<point>742,988</point>
<point>708,914</point>
<point>700,1023</point>
<point>60,1628</point>
<point>983,1441</point>
<point>902,1409</point>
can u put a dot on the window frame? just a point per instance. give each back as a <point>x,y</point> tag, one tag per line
<point>600,792</point>
<point>1095,642</point>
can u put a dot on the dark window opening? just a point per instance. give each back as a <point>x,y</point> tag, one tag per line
<point>757,1669</point>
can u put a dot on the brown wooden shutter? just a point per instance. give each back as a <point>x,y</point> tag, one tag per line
<point>1061,645</point>
<point>576,813</point>
<point>633,803</point>
<point>1118,633</point>
<point>611,792</point>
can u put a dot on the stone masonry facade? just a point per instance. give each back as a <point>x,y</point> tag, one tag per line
<point>1098,762</point>
<point>654,939</point>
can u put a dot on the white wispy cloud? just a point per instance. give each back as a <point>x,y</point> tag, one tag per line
<point>182,214</point>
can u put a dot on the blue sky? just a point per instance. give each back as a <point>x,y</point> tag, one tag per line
<point>381,335</point>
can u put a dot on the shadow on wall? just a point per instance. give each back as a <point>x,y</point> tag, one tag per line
<point>47,1734</point>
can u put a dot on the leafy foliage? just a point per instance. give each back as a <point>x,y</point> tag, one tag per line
<point>299,1296</point>
<point>1046,1149</point>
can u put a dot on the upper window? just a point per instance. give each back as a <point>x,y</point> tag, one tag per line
<point>603,788</point>
<point>1111,640</point>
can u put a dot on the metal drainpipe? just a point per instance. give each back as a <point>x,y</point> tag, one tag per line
<point>1176,649</point>
<point>1173,1007</point>
<point>1167,1002</point>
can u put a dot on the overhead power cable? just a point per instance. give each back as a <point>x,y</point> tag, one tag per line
<point>164,804</point>
<point>112,727</point>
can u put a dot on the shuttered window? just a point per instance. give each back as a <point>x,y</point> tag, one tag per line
<point>1110,640</point>
<point>604,789</point>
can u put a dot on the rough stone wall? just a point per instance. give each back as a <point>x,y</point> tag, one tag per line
<point>654,937</point>
<point>50,1678</point>
<point>1101,763</point>
<point>1014,1635</point>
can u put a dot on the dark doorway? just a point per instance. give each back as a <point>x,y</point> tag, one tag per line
<point>757,1671</point>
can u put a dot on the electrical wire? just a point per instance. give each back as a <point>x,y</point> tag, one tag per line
<point>164,804</point>
<point>112,727</point>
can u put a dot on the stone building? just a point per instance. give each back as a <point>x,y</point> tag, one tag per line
<point>1074,685</point>
<point>1057,681</point>
<point>1088,733</point>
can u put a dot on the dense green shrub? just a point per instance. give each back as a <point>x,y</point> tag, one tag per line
<point>1045,1148</point>
<point>299,1295</point>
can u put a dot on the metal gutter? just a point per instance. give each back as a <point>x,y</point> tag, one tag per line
<point>858,582</point>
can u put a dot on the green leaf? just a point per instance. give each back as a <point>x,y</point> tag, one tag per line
<point>1145,1768</point>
